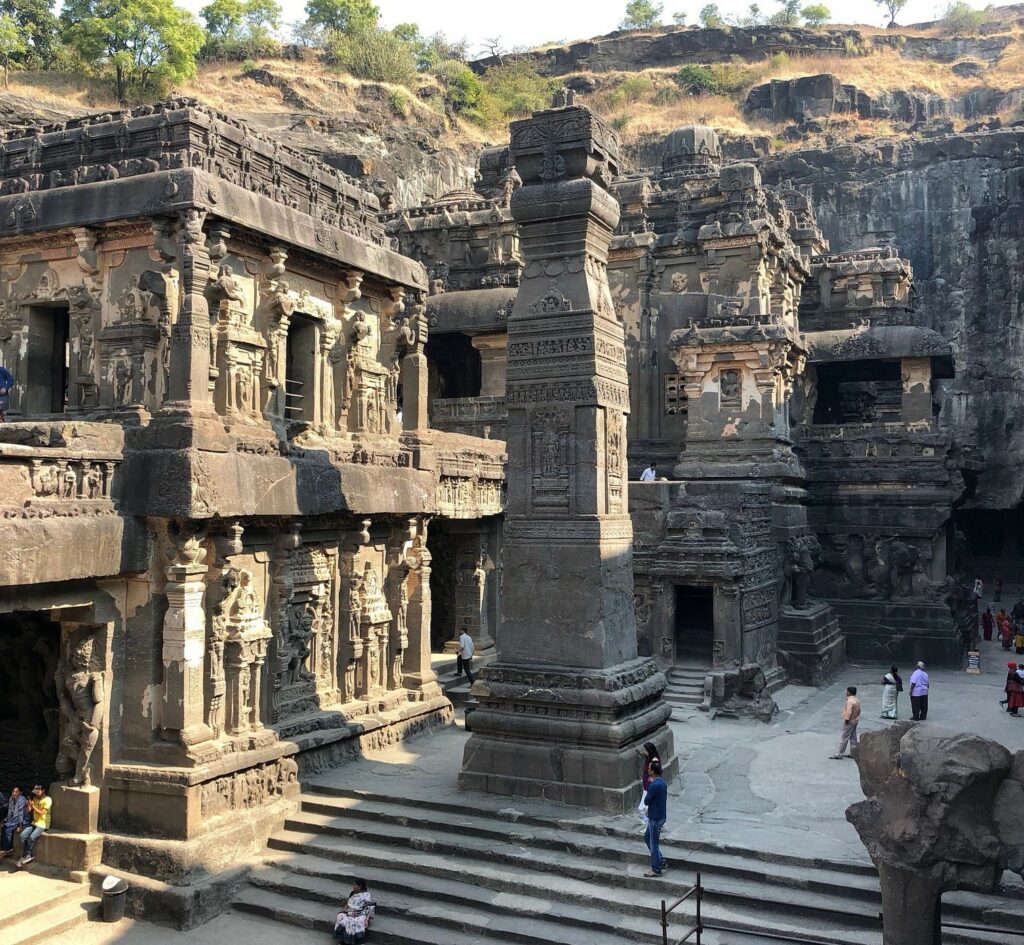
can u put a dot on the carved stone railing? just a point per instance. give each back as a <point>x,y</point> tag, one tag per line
<point>474,416</point>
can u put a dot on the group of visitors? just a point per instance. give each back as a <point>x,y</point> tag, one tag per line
<point>1009,627</point>
<point>25,819</point>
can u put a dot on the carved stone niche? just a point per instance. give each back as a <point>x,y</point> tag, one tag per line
<point>238,354</point>
<point>374,631</point>
<point>128,360</point>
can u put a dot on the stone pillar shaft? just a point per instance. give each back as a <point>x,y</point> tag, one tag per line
<point>184,646</point>
<point>190,337</point>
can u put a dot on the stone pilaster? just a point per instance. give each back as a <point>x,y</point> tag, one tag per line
<point>415,413</point>
<point>568,699</point>
<point>184,646</point>
<point>418,674</point>
<point>190,336</point>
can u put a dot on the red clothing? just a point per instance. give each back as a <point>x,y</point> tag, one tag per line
<point>986,624</point>
<point>1014,690</point>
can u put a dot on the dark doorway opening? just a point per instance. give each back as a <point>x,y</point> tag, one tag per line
<point>859,392</point>
<point>300,360</point>
<point>46,389</point>
<point>992,545</point>
<point>29,710</point>
<point>695,625</point>
<point>441,544</point>
<point>454,366</point>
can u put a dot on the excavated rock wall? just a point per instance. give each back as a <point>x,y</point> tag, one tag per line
<point>955,206</point>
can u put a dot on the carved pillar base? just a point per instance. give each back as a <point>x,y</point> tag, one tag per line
<point>567,735</point>
<point>75,809</point>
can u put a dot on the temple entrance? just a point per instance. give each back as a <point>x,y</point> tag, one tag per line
<point>695,625</point>
<point>46,390</point>
<point>992,545</point>
<point>29,710</point>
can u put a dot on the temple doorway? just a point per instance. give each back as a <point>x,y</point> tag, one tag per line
<point>29,710</point>
<point>992,544</point>
<point>695,625</point>
<point>48,359</point>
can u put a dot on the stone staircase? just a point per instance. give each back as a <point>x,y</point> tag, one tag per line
<point>685,688</point>
<point>36,907</point>
<point>480,873</point>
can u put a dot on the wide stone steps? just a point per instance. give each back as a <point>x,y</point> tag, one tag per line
<point>38,907</point>
<point>685,686</point>
<point>443,872</point>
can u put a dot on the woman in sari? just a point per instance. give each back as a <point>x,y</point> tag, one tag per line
<point>1005,632</point>
<point>987,623</point>
<point>892,686</point>
<point>350,926</point>
<point>1014,689</point>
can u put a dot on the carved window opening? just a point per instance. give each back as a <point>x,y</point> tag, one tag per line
<point>675,396</point>
<point>29,710</point>
<point>695,624</point>
<point>730,389</point>
<point>300,361</point>
<point>455,367</point>
<point>49,356</point>
<point>853,392</point>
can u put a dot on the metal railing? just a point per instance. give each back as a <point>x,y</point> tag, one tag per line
<point>695,890</point>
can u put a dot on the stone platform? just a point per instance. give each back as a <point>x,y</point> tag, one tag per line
<point>811,644</point>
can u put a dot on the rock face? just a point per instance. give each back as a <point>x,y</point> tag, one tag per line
<point>953,204</point>
<point>931,822</point>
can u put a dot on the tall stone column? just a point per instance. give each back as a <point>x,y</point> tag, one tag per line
<point>568,701</point>
<point>415,415</point>
<point>190,337</point>
<point>418,673</point>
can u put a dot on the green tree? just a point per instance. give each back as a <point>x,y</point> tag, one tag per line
<point>223,18</point>
<point>961,19</point>
<point>789,15</point>
<point>514,90</point>
<point>262,18</point>
<point>711,16</point>
<point>642,15</point>
<point>463,89</point>
<point>345,16</point>
<point>754,15</point>
<point>148,45</point>
<point>12,42</point>
<point>892,7</point>
<point>679,17</point>
<point>37,28</point>
<point>374,54</point>
<point>817,14</point>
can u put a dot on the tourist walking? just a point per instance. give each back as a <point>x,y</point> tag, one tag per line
<point>1005,633</point>
<point>466,650</point>
<point>997,589</point>
<point>892,686</point>
<point>650,473</point>
<point>1014,689</point>
<point>919,693</point>
<point>351,923</point>
<point>987,623</point>
<point>39,806</point>
<point>851,716</point>
<point>977,591</point>
<point>15,820</point>
<point>657,814</point>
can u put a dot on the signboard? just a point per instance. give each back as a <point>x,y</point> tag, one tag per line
<point>974,662</point>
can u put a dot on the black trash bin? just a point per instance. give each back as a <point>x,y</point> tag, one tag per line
<point>115,897</point>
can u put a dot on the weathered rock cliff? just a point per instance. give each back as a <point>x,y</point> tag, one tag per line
<point>955,206</point>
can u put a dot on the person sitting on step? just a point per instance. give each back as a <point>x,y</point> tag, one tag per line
<point>352,922</point>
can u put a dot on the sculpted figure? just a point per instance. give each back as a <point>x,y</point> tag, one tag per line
<point>94,483</point>
<point>82,696</point>
<point>679,281</point>
<point>510,183</point>
<point>122,383</point>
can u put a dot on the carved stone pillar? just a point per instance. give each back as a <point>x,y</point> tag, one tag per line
<point>493,363</point>
<point>417,671</point>
<point>184,646</point>
<point>415,415</point>
<point>189,380</point>
<point>568,701</point>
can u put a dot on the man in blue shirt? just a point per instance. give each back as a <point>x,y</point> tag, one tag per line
<point>657,802</point>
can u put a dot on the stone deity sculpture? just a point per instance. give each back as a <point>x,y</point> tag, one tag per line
<point>82,697</point>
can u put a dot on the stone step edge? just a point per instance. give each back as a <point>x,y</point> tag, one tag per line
<point>511,864</point>
<point>76,892</point>
<point>330,890</point>
<point>262,902</point>
<point>635,841</point>
<point>40,927</point>
<point>580,826</point>
<point>680,876</point>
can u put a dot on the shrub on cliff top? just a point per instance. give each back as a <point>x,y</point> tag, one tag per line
<point>697,80</point>
<point>374,54</point>
<point>642,15</point>
<point>961,19</point>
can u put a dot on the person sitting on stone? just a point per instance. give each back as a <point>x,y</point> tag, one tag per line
<point>15,820</point>
<point>352,922</point>
<point>39,807</point>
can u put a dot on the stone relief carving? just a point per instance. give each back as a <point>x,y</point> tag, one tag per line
<point>82,694</point>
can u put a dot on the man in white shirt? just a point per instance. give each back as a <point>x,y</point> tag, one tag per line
<point>650,473</point>
<point>466,652</point>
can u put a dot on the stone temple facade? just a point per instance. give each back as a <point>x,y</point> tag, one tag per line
<point>218,487</point>
<point>254,469</point>
<point>786,393</point>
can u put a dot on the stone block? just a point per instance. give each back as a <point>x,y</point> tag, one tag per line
<point>70,851</point>
<point>75,809</point>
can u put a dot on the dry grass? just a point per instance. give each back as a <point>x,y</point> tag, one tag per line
<point>59,90</point>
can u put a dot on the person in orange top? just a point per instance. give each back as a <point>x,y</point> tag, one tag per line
<point>851,716</point>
